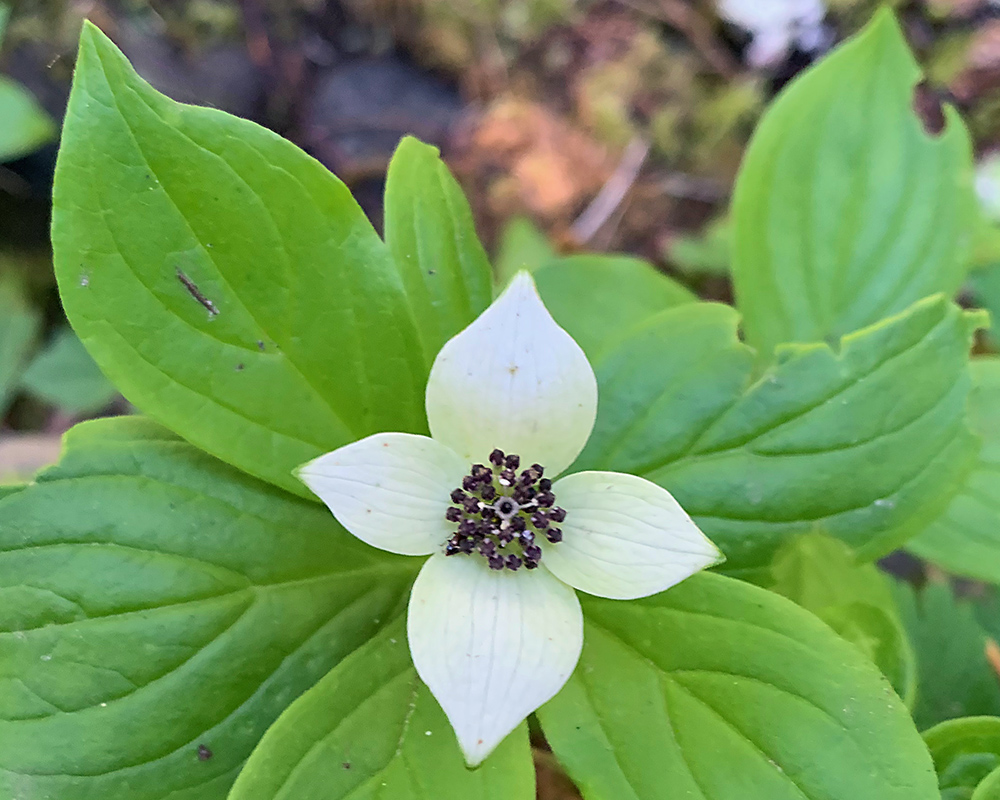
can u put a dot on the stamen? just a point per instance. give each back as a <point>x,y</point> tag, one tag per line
<point>500,513</point>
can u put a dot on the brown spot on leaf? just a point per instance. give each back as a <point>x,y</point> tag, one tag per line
<point>204,753</point>
<point>928,108</point>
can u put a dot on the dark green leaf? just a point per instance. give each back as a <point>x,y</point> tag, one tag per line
<point>19,325</point>
<point>846,210</point>
<point>155,601</point>
<point>429,229</point>
<point>65,375</point>
<point>955,678</point>
<point>26,126</point>
<point>597,299</point>
<point>966,538</point>
<point>371,729</point>
<point>718,690</point>
<point>867,444</point>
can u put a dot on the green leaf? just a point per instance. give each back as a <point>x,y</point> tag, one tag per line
<point>597,299</point>
<point>955,678</point>
<point>26,126</point>
<point>430,231</point>
<point>708,253</point>
<point>65,375</point>
<point>966,538</point>
<point>371,729</point>
<point>226,282</point>
<point>19,326</point>
<point>522,246</point>
<point>719,690</point>
<point>821,575</point>
<point>153,601</point>
<point>845,210</point>
<point>966,751</point>
<point>988,788</point>
<point>866,444</point>
<point>985,285</point>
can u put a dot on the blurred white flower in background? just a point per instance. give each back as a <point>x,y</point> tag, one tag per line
<point>777,25</point>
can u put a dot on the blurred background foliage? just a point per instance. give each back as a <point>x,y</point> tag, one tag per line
<point>587,125</point>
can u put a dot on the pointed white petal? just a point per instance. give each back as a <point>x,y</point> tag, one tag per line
<point>515,380</point>
<point>624,537</point>
<point>491,646</point>
<point>390,490</point>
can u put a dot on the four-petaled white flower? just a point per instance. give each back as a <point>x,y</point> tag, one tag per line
<point>494,625</point>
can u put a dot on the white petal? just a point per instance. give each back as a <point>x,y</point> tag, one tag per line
<point>624,537</point>
<point>515,380</point>
<point>491,646</point>
<point>390,490</point>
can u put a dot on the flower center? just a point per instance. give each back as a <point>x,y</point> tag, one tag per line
<point>501,513</point>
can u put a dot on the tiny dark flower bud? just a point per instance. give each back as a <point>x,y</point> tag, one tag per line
<point>544,484</point>
<point>497,457</point>
<point>512,462</point>
<point>486,512</point>
<point>507,477</point>
<point>471,505</point>
<point>545,499</point>
<point>526,537</point>
<point>529,564</point>
<point>517,523</point>
<point>487,548</point>
<point>557,514</point>
<point>469,483</point>
<point>539,520</point>
<point>453,514</point>
<point>458,496</point>
<point>522,494</point>
<point>539,469</point>
<point>505,537</point>
<point>467,527</point>
<point>554,535</point>
<point>513,563</point>
<point>496,562</point>
<point>466,545</point>
<point>528,477</point>
<point>488,492</point>
<point>482,472</point>
<point>532,552</point>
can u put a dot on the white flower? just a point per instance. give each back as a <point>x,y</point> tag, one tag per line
<point>494,625</point>
<point>776,25</point>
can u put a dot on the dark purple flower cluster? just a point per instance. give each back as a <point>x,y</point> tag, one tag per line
<point>500,513</point>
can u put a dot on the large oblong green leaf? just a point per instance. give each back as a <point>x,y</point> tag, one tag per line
<point>430,231</point>
<point>966,538</point>
<point>371,729</point>
<point>717,690</point>
<point>599,298</point>
<point>159,609</point>
<point>866,444</point>
<point>846,210</point>
<point>227,283</point>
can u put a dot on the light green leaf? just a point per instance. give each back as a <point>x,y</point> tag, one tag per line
<point>19,326</point>
<point>955,678</point>
<point>966,538</point>
<point>822,575</point>
<point>966,752</point>
<point>65,375</point>
<point>845,210</point>
<point>25,126</point>
<point>429,229</point>
<point>154,601</point>
<point>988,788</point>
<point>597,299</point>
<point>867,444</point>
<point>225,281</point>
<point>985,285</point>
<point>371,729</point>
<point>708,253</point>
<point>522,246</point>
<point>719,690</point>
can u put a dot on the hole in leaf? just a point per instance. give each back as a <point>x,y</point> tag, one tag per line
<point>928,108</point>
